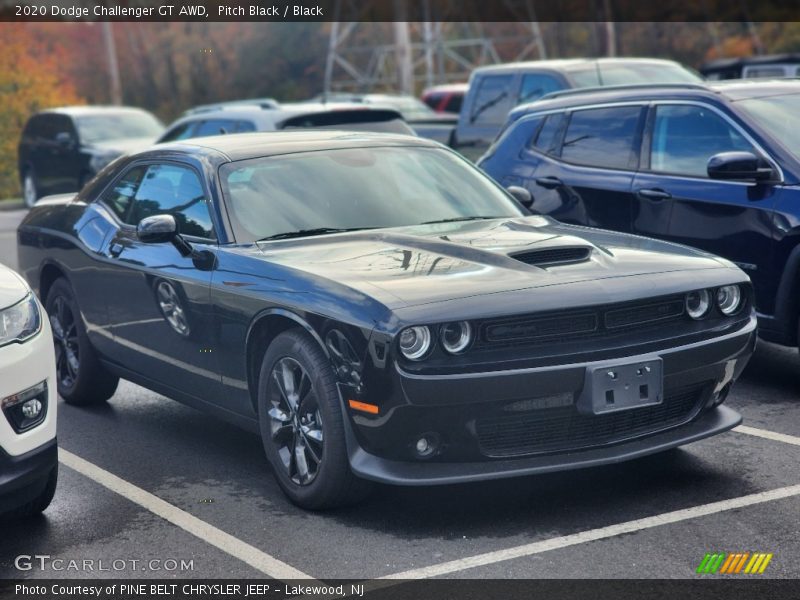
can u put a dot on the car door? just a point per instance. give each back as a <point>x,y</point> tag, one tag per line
<point>64,164</point>
<point>158,299</point>
<point>584,163</point>
<point>677,201</point>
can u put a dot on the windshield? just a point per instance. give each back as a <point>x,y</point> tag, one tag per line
<point>356,188</point>
<point>778,115</point>
<point>632,73</point>
<point>117,126</point>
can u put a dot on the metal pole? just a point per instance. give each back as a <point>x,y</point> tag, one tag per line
<point>113,65</point>
<point>403,50</point>
<point>333,42</point>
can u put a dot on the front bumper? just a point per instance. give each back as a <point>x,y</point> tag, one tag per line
<point>23,366</point>
<point>368,466</point>
<point>457,407</point>
<point>23,478</point>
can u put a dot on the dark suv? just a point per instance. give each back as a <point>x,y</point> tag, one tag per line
<point>712,166</point>
<point>62,148</point>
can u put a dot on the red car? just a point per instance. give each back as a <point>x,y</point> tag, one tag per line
<point>445,98</point>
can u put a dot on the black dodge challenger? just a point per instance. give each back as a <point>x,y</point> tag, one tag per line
<point>379,310</point>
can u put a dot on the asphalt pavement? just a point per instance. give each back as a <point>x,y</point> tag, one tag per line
<point>167,491</point>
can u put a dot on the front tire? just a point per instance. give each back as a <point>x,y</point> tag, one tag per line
<point>30,194</point>
<point>39,504</point>
<point>302,425</point>
<point>81,379</point>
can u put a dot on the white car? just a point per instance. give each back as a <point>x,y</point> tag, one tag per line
<point>28,451</point>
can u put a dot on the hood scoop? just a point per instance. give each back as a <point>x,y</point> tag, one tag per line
<point>548,257</point>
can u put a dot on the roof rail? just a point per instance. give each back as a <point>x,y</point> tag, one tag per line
<point>266,103</point>
<point>624,86</point>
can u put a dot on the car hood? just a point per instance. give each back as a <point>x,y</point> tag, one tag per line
<point>12,287</point>
<point>432,263</point>
<point>122,146</point>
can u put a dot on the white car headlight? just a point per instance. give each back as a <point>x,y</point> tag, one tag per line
<point>21,321</point>
<point>415,342</point>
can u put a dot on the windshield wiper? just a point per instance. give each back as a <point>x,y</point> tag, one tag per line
<point>454,219</point>
<point>311,232</point>
<point>486,106</point>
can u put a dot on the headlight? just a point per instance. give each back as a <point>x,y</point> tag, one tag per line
<point>456,337</point>
<point>415,342</point>
<point>698,303</point>
<point>20,322</point>
<point>729,299</point>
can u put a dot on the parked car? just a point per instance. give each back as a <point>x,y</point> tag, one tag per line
<point>420,117</point>
<point>380,310</point>
<point>236,117</point>
<point>770,66</point>
<point>495,90</point>
<point>62,148</point>
<point>713,166</point>
<point>28,452</point>
<point>446,98</point>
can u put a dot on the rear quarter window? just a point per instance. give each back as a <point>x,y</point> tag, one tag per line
<point>602,137</point>
<point>492,100</point>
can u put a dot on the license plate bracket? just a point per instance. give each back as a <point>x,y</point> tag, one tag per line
<point>616,386</point>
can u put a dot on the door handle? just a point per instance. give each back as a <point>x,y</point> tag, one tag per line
<point>549,183</point>
<point>654,194</point>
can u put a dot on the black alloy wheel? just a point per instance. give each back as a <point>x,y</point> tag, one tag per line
<point>302,424</point>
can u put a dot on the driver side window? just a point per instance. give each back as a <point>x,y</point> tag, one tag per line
<point>685,137</point>
<point>160,189</point>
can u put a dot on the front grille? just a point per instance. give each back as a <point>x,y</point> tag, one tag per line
<point>564,428</point>
<point>569,325</point>
<point>553,256</point>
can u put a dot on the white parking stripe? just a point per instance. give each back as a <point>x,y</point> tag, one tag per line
<point>770,435</point>
<point>591,535</point>
<point>268,565</point>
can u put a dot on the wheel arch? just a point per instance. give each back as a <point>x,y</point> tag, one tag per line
<point>49,272</point>
<point>266,326</point>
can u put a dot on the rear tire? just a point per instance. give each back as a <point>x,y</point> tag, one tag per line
<point>302,426</point>
<point>82,380</point>
<point>30,194</point>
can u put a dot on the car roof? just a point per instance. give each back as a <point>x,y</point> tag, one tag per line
<point>566,64</point>
<point>241,146</point>
<point>447,87</point>
<point>267,115</point>
<point>94,109</point>
<point>765,59</point>
<point>727,90</point>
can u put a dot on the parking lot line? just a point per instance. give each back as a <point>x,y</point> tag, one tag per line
<point>591,535</point>
<point>268,565</point>
<point>770,435</point>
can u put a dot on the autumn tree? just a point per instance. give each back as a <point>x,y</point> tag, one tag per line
<point>30,81</point>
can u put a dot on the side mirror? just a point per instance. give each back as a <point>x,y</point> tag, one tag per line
<point>157,229</point>
<point>65,139</point>
<point>739,166</point>
<point>522,195</point>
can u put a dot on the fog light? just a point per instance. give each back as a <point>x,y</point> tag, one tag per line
<point>426,445</point>
<point>31,409</point>
<point>26,409</point>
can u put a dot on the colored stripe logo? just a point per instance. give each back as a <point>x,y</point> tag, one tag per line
<point>736,563</point>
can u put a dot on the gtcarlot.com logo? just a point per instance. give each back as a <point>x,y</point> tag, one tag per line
<point>734,563</point>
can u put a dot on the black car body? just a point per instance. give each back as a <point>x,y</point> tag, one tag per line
<point>578,349</point>
<point>645,170</point>
<point>62,148</point>
<point>496,89</point>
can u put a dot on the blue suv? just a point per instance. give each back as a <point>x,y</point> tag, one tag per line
<point>713,166</point>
